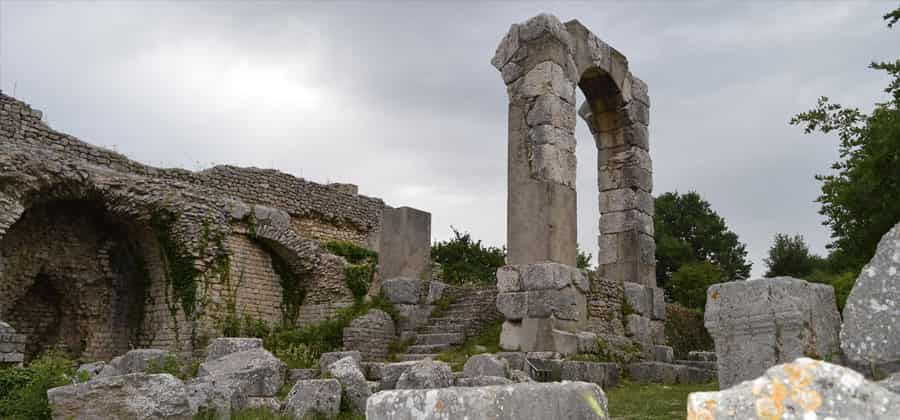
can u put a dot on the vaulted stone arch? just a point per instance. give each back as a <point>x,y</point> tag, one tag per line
<point>542,61</point>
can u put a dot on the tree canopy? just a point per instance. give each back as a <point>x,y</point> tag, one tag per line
<point>861,198</point>
<point>790,256</point>
<point>464,260</point>
<point>689,231</point>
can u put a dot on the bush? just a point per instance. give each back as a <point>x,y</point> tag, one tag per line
<point>23,391</point>
<point>359,273</point>
<point>463,260</point>
<point>685,331</point>
<point>690,282</point>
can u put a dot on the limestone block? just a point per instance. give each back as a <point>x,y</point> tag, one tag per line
<point>486,365</point>
<point>546,78</point>
<point>527,335</point>
<point>514,305</point>
<point>609,248</point>
<point>221,347</point>
<point>603,374</point>
<point>508,279</point>
<point>516,360</point>
<point>426,374</point>
<point>659,303</point>
<point>552,111</point>
<point>560,138</point>
<point>326,359</point>
<point>658,332</point>
<point>638,328</point>
<point>640,298</point>
<point>522,401</point>
<point>872,313</point>
<point>519,376</point>
<point>702,356</point>
<point>625,221</point>
<point>404,244</point>
<point>255,372</point>
<point>412,317</point>
<point>891,383</point>
<point>436,291</point>
<point>219,397</point>
<point>138,360</point>
<point>481,381</point>
<point>663,354</point>
<point>588,342</point>
<point>132,396</point>
<point>507,48</point>
<point>757,324</point>
<point>565,304</point>
<point>625,199</point>
<point>353,382</point>
<point>401,290</point>
<point>320,397</point>
<point>553,164</point>
<point>804,388</point>
<point>391,372</point>
<point>565,342</point>
<point>550,275</point>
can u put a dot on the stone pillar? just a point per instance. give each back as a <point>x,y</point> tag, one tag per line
<point>405,244</point>
<point>536,64</point>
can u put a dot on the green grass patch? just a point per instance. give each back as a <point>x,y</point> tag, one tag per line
<point>489,339</point>
<point>630,401</point>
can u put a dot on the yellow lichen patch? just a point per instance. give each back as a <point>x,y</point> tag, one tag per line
<point>766,409</point>
<point>808,399</point>
<point>704,411</point>
<point>439,406</point>
<point>798,376</point>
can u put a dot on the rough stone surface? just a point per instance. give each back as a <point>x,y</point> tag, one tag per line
<point>486,365</point>
<point>405,245</point>
<point>426,374</point>
<point>604,374</point>
<point>326,359</point>
<point>523,401</point>
<point>90,369</point>
<point>757,324</point>
<point>665,373</point>
<point>435,291</point>
<point>869,335</point>
<point>892,383</point>
<point>254,372</point>
<point>138,360</point>
<point>353,382</point>
<point>516,360</point>
<point>402,290</point>
<point>222,347</point>
<point>133,396</point>
<point>314,397</point>
<point>294,375</point>
<point>702,356</point>
<point>663,354</point>
<point>391,372</point>
<point>12,345</point>
<point>371,335</point>
<point>803,389</point>
<point>482,381</point>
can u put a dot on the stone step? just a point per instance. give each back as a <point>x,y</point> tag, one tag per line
<point>698,364</point>
<point>702,356</point>
<point>428,348</point>
<point>443,329</point>
<point>450,320</point>
<point>441,338</point>
<point>413,357</point>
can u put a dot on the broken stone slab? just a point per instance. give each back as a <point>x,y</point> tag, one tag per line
<point>803,389</point>
<point>135,361</point>
<point>255,372</point>
<point>482,381</point>
<point>402,290</point>
<point>522,401</point>
<point>436,290</point>
<point>353,382</point>
<point>132,396</point>
<point>515,359</point>
<point>869,335</point>
<point>320,397</point>
<point>222,347</point>
<point>604,374</point>
<point>207,394</point>
<point>486,365</point>
<point>391,372</point>
<point>426,374</point>
<point>326,359</point>
<point>757,324</point>
<point>639,298</point>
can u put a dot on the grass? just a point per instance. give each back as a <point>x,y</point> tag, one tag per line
<point>630,401</point>
<point>489,339</point>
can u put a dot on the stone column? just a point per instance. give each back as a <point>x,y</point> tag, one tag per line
<point>536,64</point>
<point>405,245</point>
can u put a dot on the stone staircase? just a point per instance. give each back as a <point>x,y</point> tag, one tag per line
<point>471,312</point>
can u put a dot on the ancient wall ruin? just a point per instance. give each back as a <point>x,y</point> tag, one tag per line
<point>99,253</point>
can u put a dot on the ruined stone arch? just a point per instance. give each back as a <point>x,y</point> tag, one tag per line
<point>542,61</point>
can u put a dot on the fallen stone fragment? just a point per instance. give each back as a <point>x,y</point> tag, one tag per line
<point>486,365</point>
<point>133,396</point>
<point>314,397</point>
<point>222,347</point>
<point>426,374</point>
<point>352,380</point>
<point>803,389</point>
<point>255,372</point>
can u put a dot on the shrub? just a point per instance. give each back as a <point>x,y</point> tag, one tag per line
<point>23,391</point>
<point>685,331</point>
<point>690,282</point>
<point>842,283</point>
<point>169,365</point>
<point>463,260</point>
<point>358,274</point>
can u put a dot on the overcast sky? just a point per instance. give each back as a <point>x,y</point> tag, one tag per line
<point>400,98</point>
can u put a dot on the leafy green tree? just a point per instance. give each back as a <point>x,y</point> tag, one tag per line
<point>583,260</point>
<point>790,256</point>
<point>861,199</point>
<point>689,231</point>
<point>464,260</point>
<point>690,282</point>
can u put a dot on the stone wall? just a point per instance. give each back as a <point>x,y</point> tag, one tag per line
<point>605,306</point>
<point>198,235</point>
<point>371,335</point>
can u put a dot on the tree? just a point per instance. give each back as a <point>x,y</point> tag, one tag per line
<point>583,260</point>
<point>861,199</point>
<point>690,282</point>
<point>464,260</point>
<point>689,231</point>
<point>790,256</point>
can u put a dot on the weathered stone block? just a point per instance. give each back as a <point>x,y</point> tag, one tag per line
<point>639,298</point>
<point>353,382</point>
<point>523,401</point>
<point>515,359</point>
<point>314,397</point>
<point>757,324</point>
<point>486,365</point>
<point>405,243</point>
<point>552,110</point>
<point>436,291</point>
<point>482,381</point>
<point>221,347</point>
<point>326,359</point>
<point>132,396</point>
<point>254,372</point>
<point>402,290</point>
<point>605,375</point>
<point>514,305</point>
<point>391,372</point>
<point>663,354</point>
<point>565,342</point>
<point>566,304</point>
<point>870,333</point>
<point>426,374</point>
<point>659,304</point>
<point>805,388</point>
<point>294,375</point>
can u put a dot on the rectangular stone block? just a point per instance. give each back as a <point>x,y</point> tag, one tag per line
<point>608,252</point>
<point>405,243</point>
<point>552,110</point>
<point>625,199</point>
<point>639,298</point>
<point>624,221</point>
<point>513,305</point>
<point>659,303</point>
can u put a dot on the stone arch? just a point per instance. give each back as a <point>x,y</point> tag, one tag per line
<point>542,61</point>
